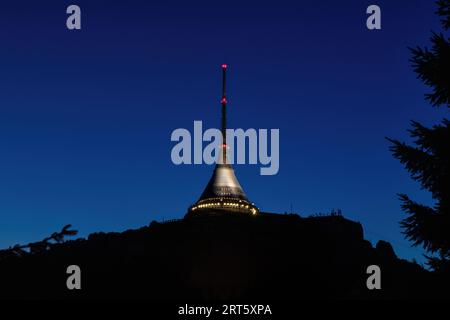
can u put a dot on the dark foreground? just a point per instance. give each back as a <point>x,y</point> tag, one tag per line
<point>265,257</point>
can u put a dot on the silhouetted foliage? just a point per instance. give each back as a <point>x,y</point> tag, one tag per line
<point>428,161</point>
<point>433,65</point>
<point>444,12</point>
<point>40,246</point>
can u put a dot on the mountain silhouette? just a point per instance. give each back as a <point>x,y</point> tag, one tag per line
<point>221,256</point>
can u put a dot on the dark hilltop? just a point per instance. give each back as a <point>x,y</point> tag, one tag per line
<point>219,257</point>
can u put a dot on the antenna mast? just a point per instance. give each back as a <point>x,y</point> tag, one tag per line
<point>224,101</point>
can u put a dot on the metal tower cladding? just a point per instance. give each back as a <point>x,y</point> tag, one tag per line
<point>223,191</point>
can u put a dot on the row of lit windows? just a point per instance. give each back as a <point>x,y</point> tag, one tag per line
<point>217,204</point>
<point>226,204</point>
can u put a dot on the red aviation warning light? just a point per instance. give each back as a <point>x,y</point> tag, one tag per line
<point>224,101</point>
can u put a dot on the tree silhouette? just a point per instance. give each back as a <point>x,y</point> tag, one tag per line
<point>428,161</point>
<point>40,246</point>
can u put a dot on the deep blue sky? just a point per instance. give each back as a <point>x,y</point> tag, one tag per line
<point>86,116</point>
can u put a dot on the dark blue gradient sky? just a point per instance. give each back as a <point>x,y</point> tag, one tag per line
<point>86,116</point>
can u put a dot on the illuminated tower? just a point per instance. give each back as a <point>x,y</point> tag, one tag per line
<point>223,191</point>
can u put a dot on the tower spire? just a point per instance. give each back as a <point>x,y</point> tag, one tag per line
<point>223,193</point>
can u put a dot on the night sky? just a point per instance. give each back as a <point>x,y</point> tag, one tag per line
<point>86,116</point>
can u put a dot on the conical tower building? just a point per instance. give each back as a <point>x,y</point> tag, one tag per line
<point>223,193</point>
